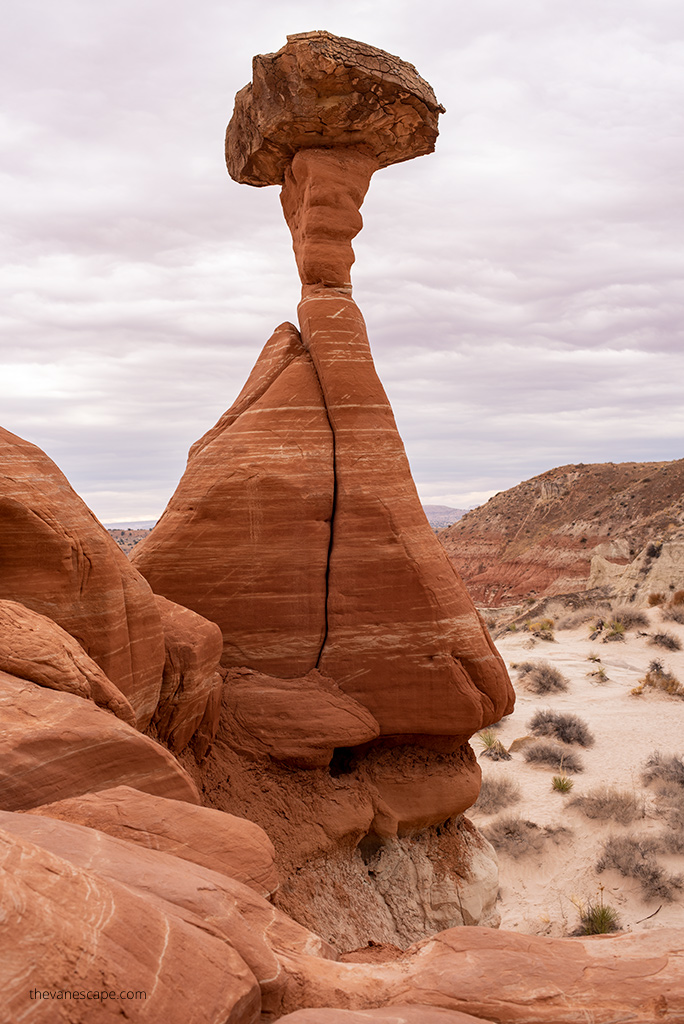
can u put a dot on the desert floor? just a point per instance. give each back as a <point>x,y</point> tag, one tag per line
<point>540,891</point>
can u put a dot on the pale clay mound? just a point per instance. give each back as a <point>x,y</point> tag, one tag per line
<point>537,890</point>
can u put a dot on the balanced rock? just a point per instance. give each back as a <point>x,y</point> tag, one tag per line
<point>325,87</point>
<point>56,745</point>
<point>34,647</point>
<point>213,839</point>
<point>332,564</point>
<point>60,562</point>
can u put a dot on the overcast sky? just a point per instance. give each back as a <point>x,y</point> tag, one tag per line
<point>523,286</point>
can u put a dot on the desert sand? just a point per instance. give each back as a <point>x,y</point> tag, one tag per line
<point>540,892</point>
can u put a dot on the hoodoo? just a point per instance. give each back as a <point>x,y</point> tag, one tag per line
<point>297,526</point>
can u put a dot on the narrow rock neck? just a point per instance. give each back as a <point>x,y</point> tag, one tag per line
<point>321,199</point>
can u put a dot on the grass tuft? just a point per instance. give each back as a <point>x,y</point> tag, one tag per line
<point>597,917</point>
<point>655,599</point>
<point>561,783</point>
<point>566,728</point>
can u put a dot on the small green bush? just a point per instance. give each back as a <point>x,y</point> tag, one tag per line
<point>561,783</point>
<point>598,918</point>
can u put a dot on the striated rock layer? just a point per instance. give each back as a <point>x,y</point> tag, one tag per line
<point>56,559</point>
<point>569,529</point>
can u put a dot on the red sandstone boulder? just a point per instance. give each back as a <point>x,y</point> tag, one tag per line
<point>34,647</point>
<point>56,745</point>
<point>191,683</point>
<point>259,932</point>
<point>59,561</point>
<point>297,721</point>
<point>213,839</point>
<point>69,936</point>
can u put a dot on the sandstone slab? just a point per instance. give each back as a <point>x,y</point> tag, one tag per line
<point>213,839</point>
<point>297,721</point>
<point>514,979</point>
<point>96,951</point>
<point>260,933</point>
<point>385,1015</point>
<point>60,562</point>
<point>56,745</point>
<point>34,647</point>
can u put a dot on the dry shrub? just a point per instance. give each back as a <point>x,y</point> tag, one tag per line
<point>658,678</point>
<point>674,614</point>
<point>517,837</point>
<point>634,857</point>
<point>572,619</point>
<point>677,597</point>
<point>664,768</point>
<point>554,755</point>
<point>566,728</point>
<point>670,802</point>
<point>608,804</point>
<point>541,677</point>
<point>654,599</point>
<point>631,618</point>
<point>666,640</point>
<point>497,793</point>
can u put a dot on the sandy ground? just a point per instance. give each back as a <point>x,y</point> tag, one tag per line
<point>539,892</point>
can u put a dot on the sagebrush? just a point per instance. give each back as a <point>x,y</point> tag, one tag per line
<point>518,837</point>
<point>609,804</point>
<point>564,727</point>
<point>554,755</point>
<point>497,793</point>
<point>541,677</point>
<point>634,857</point>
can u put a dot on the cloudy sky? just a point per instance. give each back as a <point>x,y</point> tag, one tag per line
<point>523,286</point>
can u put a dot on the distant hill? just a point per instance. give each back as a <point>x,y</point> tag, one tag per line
<point>442,515</point>
<point>539,537</point>
<point>128,538</point>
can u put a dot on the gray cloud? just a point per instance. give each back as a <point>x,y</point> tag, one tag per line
<point>522,286</point>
